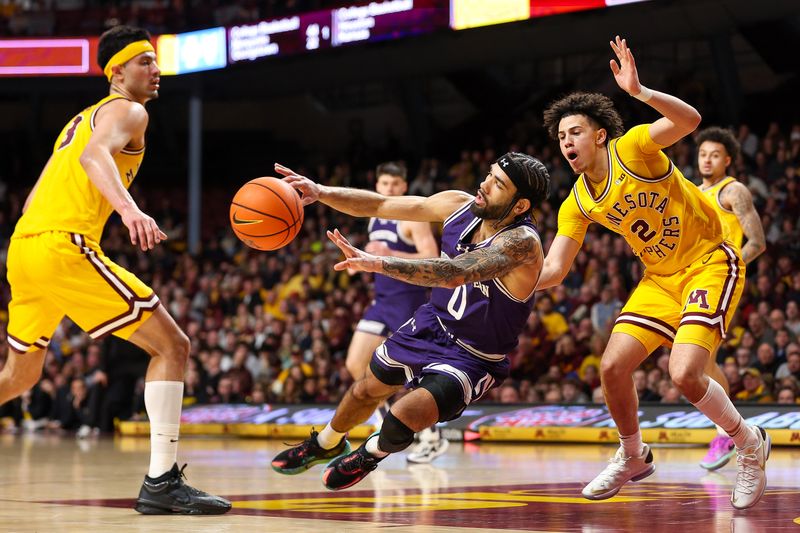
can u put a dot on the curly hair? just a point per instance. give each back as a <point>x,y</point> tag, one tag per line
<point>722,136</point>
<point>595,106</point>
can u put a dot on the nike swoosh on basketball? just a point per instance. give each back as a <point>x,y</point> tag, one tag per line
<point>242,222</point>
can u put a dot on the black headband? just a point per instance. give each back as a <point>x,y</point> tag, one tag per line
<point>515,172</point>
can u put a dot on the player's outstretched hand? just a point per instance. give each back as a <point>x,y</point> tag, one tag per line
<point>307,188</point>
<point>354,258</point>
<point>144,231</point>
<point>625,72</point>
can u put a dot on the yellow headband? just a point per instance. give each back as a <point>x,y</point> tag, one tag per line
<point>126,54</point>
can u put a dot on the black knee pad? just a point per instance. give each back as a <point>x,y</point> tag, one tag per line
<point>448,394</point>
<point>395,436</point>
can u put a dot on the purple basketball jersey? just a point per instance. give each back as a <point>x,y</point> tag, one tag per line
<point>483,317</point>
<point>395,301</point>
<point>388,231</point>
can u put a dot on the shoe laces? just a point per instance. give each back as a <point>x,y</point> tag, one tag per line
<point>616,465</point>
<point>360,460</point>
<point>300,449</point>
<point>748,470</point>
<point>181,477</point>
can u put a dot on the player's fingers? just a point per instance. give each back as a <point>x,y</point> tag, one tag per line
<point>614,67</point>
<point>150,236</point>
<point>141,236</point>
<point>162,235</point>
<point>133,232</point>
<point>280,169</point>
<point>341,237</point>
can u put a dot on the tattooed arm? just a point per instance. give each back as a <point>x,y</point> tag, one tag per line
<point>511,250</point>
<point>361,203</point>
<point>737,198</point>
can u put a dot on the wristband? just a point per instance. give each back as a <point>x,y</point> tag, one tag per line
<point>644,95</point>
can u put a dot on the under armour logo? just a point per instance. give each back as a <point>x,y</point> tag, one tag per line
<point>504,162</point>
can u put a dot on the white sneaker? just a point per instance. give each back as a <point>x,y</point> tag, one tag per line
<point>619,471</point>
<point>751,477</point>
<point>83,432</point>
<point>431,445</point>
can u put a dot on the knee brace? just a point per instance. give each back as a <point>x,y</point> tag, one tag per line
<point>448,394</point>
<point>395,436</point>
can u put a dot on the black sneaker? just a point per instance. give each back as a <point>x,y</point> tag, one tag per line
<point>347,470</point>
<point>168,494</point>
<point>307,454</point>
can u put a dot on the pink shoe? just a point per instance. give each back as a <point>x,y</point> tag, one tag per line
<point>720,451</point>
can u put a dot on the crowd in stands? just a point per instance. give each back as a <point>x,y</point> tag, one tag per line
<point>274,327</point>
<point>28,18</point>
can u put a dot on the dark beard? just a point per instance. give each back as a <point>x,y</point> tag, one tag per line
<point>705,176</point>
<point>487,212</point>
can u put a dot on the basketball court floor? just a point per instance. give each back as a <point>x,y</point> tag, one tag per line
<point>50,483</point>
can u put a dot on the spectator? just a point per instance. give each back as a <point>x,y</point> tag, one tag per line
<point>640,382</point>
<point>792,365</point>
<point>605,311</point>
<point>754,388</point>
<point>572,392</point>
<point>787,395</point>
<point>766,363</point>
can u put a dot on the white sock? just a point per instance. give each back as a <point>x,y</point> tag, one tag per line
<point>632,444</point>
<point>372,447</point>
<point>717,406</point>
<point>163,400</point>
<point>329,437</point>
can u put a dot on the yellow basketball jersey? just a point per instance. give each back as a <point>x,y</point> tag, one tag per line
<point>662,215</point>
<point>729,220</point>
<point>66,199</point>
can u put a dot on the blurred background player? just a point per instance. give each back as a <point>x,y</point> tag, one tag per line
<point>395,301</point>
<point>717,150</point>
<point>56,266</point>
<point>454,348</point>
<point>693,278</point>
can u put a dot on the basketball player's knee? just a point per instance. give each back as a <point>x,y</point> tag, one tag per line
<point>180,347</point>
<point>447,393</point>
<point>360,391</point>
<point>684,377</point>
<point>395,436</point>
<point>614,369</point>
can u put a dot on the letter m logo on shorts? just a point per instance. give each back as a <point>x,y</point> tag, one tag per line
<point>698,297</point>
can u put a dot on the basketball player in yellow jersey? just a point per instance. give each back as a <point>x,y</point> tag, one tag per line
<point>693,278</point>
<point>56,267</point>
<point>717,147</point>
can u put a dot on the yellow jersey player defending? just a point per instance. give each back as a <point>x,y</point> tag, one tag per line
<point>56,267</point>
<point>717,148</point>
<point>693,278</point>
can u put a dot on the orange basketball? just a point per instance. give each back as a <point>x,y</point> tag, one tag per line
<point>266,213</point>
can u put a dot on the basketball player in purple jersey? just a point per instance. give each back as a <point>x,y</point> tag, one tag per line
<point>395,300</point>
<point>453,350</point>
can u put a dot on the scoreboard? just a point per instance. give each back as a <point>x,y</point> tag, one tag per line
<point>307,32</point>
<point>215,48</point>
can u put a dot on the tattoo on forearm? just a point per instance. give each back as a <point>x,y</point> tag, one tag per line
<point>511,250</point>
<point>741,202</point>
